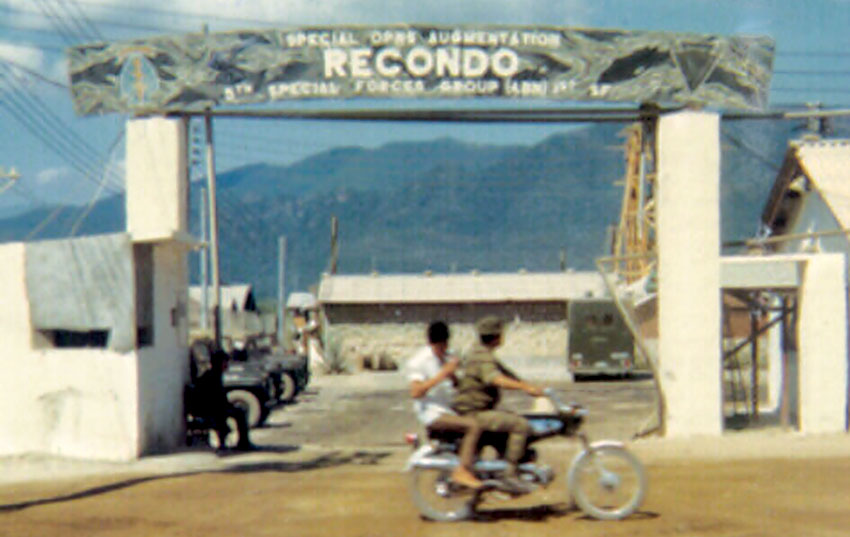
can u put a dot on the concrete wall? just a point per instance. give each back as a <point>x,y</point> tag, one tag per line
<point>96,402</point>
<point>452,313</point>
<point>157,195</point>
<point>163,368</point>
<point>815,215</point>
<point>73,402</point>
<point>533,349</point>
<point>822,344</point>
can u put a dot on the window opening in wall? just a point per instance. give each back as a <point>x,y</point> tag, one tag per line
<point>61,338</point>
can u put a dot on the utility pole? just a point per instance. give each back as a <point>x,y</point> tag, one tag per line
<point>204,262</point>
<point>281,288</point>
<point>334,244</point>
<point>214,259</point>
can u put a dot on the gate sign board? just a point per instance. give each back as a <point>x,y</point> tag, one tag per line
<point>196,71</point>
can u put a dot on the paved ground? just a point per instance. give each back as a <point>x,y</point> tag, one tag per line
<point>320,474</point>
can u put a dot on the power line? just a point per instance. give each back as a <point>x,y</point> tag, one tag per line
<point>810,72</point>
<point>761,157</point>
<point>43,224</point>
<point>34,74</point>
<point>35,116</point>
<point>96,194</point>
<point>810,90</point>
<point>813,53</point>
<point>38,108</point>
<point>58,24</point>
<point>127,24</point>
<point>181,14</point>
<point>85,22</point>
<point>73,22</point>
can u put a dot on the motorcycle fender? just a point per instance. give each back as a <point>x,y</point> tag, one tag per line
<point>607,443</point>
<point>599,445</point>
<point>422,451</point>
<point>424,457</point>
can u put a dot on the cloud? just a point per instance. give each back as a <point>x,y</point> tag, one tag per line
<point>53,176</point>
<point>28,56</point>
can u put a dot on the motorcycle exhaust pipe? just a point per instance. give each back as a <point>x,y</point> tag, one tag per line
<point>436,463</point>
<point>450,463</point>
<point>491,466</point>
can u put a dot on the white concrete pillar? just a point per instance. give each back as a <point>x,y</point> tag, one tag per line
<point>688,236</point>
<point>157,178</point>
<point>822,345</point>
<point>16,330</point>
<point>774,355</point>
<point>164,367</point>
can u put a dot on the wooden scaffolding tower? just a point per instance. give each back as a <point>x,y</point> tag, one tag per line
<point>634,238</point>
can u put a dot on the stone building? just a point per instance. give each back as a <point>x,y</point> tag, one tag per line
<point>383,317</point>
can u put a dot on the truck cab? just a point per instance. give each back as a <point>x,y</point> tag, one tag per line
<point>599,342</point>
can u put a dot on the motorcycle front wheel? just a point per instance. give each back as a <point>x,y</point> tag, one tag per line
<point>437,498</point>
<point>607,482</point>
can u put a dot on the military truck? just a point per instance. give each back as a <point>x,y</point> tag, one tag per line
<point>599,341</point>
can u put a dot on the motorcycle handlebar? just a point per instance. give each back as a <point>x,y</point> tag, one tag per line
<point>571,407</point>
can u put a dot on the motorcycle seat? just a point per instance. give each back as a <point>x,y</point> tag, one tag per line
<point>442,435</point>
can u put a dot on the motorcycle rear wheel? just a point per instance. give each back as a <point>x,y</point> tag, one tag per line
<point>607,482</point>
<point>437,498</point>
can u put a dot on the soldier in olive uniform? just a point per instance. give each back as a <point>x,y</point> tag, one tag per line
<point>481,379</point>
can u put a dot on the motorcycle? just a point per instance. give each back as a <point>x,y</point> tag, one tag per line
<point>605,480</point>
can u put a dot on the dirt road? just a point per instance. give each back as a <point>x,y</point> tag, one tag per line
<point>346,494</point>
<point>758,484</point>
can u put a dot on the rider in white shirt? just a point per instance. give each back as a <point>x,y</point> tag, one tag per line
<point>431,375</point>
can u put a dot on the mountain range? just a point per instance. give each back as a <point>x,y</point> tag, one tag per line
<point>441,205</point>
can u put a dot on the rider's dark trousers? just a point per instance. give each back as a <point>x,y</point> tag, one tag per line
<point>516,426</point>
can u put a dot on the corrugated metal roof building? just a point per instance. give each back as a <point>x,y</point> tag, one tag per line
<point>456,297</point>
<point>453,288</point>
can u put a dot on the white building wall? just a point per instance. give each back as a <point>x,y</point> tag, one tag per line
<point>157,194</point>
<point>815,215</point>
<point>822,345</point>
<point>689,272</point>
<point>73,402</point>
<point>92,402</point>
<point>163,368</point>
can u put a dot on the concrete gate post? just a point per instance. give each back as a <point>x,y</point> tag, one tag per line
<point>688,237</point>
<point>157,217</point>
<point>157,183</point>
<point>822,345</point>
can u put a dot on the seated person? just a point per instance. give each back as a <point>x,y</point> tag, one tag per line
<point>481,379</point>
<point>211,398</point>
<point>431,373</point>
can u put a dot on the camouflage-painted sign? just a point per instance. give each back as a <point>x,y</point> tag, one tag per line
<point>196,71</point>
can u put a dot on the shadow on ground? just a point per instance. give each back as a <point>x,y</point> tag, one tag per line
<point>328,460</point>
<point>536,513</point>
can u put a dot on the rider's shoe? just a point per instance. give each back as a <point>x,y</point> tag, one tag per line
<point>463,477</point>
<point>515,485</point>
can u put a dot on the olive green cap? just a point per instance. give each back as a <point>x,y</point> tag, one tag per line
<point>489,326</point>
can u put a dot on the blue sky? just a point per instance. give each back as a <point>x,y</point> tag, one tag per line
<point>812,64</point>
